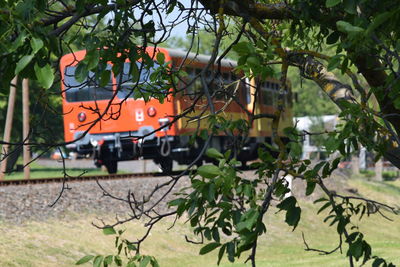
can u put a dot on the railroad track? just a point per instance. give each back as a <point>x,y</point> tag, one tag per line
<point>84,178</point>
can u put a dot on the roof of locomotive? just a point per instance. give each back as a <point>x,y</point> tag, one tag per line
<point>199,57</point>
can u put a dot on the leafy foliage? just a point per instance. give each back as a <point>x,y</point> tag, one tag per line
<point>121,245</point>
<point>329,42</point>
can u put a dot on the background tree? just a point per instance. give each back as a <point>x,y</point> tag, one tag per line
<point>363,40</point>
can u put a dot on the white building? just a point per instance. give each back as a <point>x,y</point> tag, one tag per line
<point>308,125</point>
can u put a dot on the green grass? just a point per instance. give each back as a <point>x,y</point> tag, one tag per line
<point>38,171</point>
<point>61,242</point>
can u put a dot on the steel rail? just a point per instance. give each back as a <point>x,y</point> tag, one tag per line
<point>83,178</point>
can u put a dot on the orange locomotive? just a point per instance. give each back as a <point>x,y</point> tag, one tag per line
<point>131,132</point>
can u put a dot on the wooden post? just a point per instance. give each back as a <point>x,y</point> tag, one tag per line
<point>355,164</point>
<point>8,126</point>
<point>379,170</point>
<point>25,127</point>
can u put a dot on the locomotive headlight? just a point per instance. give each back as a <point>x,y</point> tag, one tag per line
<point>151,111</point>
<point>81,117</point>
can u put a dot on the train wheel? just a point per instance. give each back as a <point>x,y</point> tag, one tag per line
<point>166,165</point>
<point>244,165</point>
<point>199,163</point>
<point>111,166</point>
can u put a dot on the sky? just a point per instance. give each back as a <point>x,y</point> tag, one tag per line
<point>179,30</point>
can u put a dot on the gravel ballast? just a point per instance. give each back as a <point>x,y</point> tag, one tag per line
<point>32,202</point>
<point>19,203</point>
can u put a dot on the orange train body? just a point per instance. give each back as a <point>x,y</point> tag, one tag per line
<point>118,134</point>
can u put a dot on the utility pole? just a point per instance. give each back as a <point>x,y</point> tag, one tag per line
<point>25,127</point>
<point>8,126</point>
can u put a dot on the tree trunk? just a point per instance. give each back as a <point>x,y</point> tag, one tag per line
<point>8,126</point>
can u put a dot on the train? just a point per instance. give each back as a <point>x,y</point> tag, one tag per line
<point>143,129</point>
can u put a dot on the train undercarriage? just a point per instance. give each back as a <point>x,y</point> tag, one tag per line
<point>109,149</point>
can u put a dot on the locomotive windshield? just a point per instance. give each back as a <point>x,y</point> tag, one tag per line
<point>88,90</point>
<point>126,81</point>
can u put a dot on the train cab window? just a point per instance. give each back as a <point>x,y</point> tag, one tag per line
<point>226,85</point>
<point>197,86</point>
<point>226,77</point>
<point>218,85</point>
<point>189,88</point>
<point>88,90</point>
<point>127,84</point>
<point>268,94</point>
<point>245,84</point>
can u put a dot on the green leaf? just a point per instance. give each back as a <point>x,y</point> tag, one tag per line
<point>350,6</point>
<point>231,251</point>
<point>293,216</point>
<point>342,225</point>
<point>108,260</point>
<point>22,63</point>
<point>134,72</point>
<point>332,3</point>
<point>243,48</point>
<point>36,45</point>
<point>326,170</point>
<point>44,75</point>
<point>324,207</point>
<point>176,202</point>
<point>377,262</point>
<point>213,153</point>
<point>322,199</point>
<point>319,166</point>
<point>295,149</point>
<point>171,7</point>
<point>81,72</point>
<point>118,261</point>
<point>310,187</point>
<point>344,66</point>
<point>377,21</point>
<point>334,62</point>
<point>209,247</point>
<point>344,26</point>
<point>287,203</point>
<point>84,259</point>
<point>253,61</point>
<point>109,231</point>
<point>221,253</point>
<point>355,249</point>
<point>335,163</point>
<point>331,144</point>
<point>211,192</point>
<point>208,171</point>
<point>154,262</point>
<point>97,261</point>
<point>333,37</point>
<point>145,261</point>
<point>160,58</point>
<point>352,236</point>
<point>215,234</point>
<point>92,59</point>
<point>17,43</point>
<point>105,78</point>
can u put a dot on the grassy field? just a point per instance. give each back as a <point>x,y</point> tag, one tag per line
<point>61,242</point>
